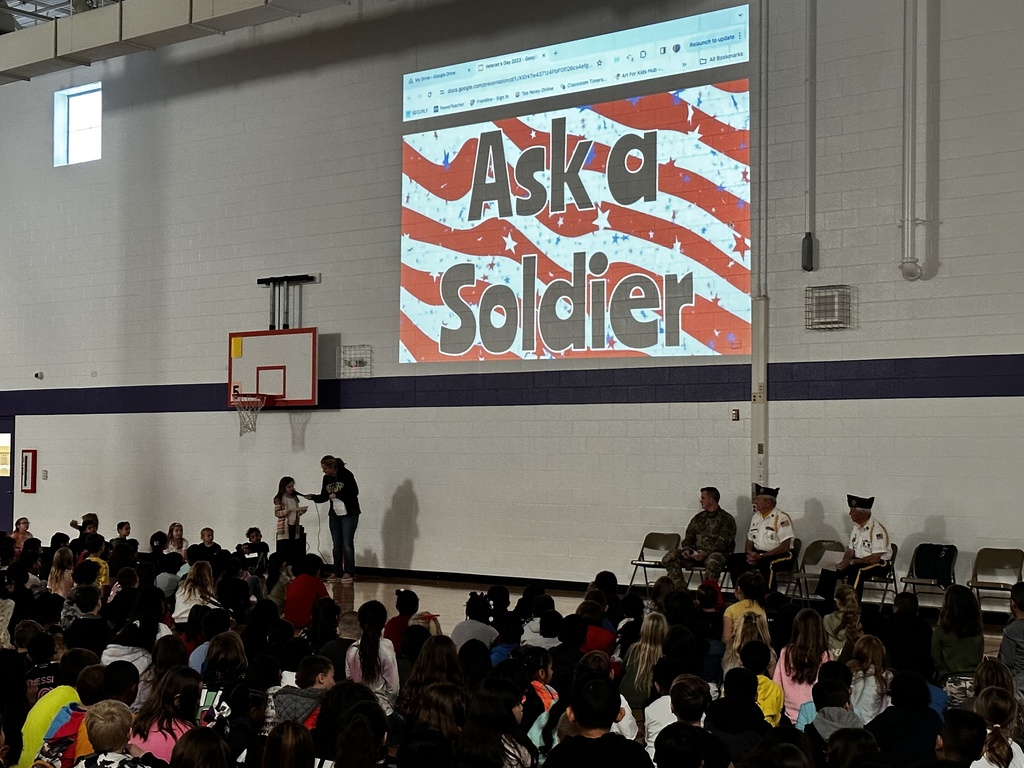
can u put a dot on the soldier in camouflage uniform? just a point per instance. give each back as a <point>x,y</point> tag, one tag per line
<point>710,538</point>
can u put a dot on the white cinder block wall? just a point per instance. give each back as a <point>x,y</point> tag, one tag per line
<point>277,149</point>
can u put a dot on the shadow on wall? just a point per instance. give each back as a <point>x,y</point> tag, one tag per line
<point>399,528</point>
<point>813,524</point>
<point>367,558</point>
<point>299,420</point>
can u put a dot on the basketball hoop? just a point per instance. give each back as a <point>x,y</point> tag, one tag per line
<point>249,407</point>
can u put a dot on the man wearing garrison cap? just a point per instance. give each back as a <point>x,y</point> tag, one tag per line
<point>769,539</point>
<point>868,552</point>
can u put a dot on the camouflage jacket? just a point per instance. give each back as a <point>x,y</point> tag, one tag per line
<point>711,531</point>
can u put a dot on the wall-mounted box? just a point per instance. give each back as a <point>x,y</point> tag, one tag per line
<point>156,23</point>
<point>31,52</point>
<point>92,36</point>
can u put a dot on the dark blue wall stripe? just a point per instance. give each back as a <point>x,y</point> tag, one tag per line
<point>974,376</point>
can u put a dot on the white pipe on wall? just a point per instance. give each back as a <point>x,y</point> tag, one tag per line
<point>909,266</point>
<point>810,134</point>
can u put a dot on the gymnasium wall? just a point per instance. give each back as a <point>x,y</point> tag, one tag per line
<point>277,150</point>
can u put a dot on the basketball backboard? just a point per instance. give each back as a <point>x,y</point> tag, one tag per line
<point>281,363</point>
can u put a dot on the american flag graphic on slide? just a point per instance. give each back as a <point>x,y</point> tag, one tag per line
<point>605,230</point>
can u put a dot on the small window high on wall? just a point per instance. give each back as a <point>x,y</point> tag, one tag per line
<point>77,119</point>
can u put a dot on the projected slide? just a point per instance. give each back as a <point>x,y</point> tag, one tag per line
<point>606,230</point>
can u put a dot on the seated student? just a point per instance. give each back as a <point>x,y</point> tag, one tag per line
<point>407,603</point>
<point>999,710</point>
<point>304,590</point>
<point>348,632</point>
<point>542,631</point>
<point>241,724</point>
<point>830,670</point>
<point>169,713</point>
<point>735,718</point>
<point>214,622</point>
<point>958,643</point>
<point>254,551</point>
<point>124,532</point>
<point>44,675</point>
<point>168,577</point>
<point>685,745</point>
<point>197,588</point>
<point>475,627</point>
<point>225,662</point>
<point>709,601</point>
<point>961,741</point>
<point>756,656</point>
<point>301,702</point>
<point>907,730</point>
<point>89,630</point>
<point>66,738</point>
<point>800,660</point>
<point>510,632</point>
<point>598,662</point>
<point>637,676</point>
<point>750,594</point>
<point>663,711</point>
<point>749,626</point>
<point>908,637</point>
<point>870,690</point>
<point>594,706</point>
<point>599,637</point>
<point>90,524</point>
<point>41,715</point>
<point>121,682</point>
<point>842,626</point>
<point>832,701</point>
<point>566,655</point>
<point>209,550</point>
<point>121,602</point>
<point>233,591</point>
<point>1011,648</point>
<point>95,546</point>
<point>108,725</point>
<point>531,625</point>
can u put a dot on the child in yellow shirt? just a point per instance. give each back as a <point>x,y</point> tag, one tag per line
<point>756,656</point>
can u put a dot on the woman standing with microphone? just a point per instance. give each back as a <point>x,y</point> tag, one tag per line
<point>340,489</point>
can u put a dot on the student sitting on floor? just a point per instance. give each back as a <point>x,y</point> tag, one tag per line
<point>756,656</point>
<point>594,706</point>
<point>832,700</point>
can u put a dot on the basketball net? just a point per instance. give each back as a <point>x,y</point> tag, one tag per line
<point>248,407</point>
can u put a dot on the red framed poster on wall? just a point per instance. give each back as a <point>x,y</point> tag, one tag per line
<point>28,470</point>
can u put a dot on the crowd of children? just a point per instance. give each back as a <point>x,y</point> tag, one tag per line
<point>196,656</point>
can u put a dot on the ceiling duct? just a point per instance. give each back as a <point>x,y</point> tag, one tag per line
<point>117,29</point>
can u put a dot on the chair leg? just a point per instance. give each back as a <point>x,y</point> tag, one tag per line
<point>632,579</point>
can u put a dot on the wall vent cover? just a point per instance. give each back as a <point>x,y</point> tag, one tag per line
<point>355,361</point>
<point>827,307</point>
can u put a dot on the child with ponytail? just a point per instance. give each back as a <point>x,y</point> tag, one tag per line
<point>999,710</point>
<point>371,659</point>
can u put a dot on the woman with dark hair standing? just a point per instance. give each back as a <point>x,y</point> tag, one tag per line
<point>371,659</point>
<point>340,489</point>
